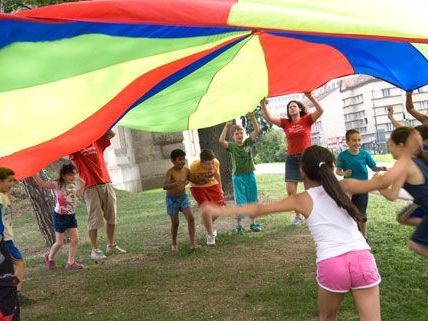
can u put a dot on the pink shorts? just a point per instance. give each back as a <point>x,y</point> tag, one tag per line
<point>352,270</point>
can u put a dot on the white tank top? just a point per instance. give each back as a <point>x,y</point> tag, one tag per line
<point>334,231</point>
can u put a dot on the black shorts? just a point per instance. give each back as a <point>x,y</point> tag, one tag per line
<point>420,235</point>
<point>360,201</point>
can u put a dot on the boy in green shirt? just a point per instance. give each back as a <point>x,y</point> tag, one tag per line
<point>243,178</point>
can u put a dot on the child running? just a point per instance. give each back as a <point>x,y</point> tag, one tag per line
<point>176,179</point>
<point>205,182</point>
<point>243,179</point>
<point>67,190</point>
<point>352,163</point>
<point>344,260</point>
<point>414,179</point>
<point>7,180</point>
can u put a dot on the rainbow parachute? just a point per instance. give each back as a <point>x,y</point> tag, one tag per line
<point>71,71</point>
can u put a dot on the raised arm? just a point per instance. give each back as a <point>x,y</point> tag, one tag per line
<point>222,140</point>
<point>256,128</point>
<point>391,117</point>
<point>412,111</point>
<point>318,109</point>
<point>44,184</point>
<point>391,193</point>
<point>267,115</point>
<point>110,134</point>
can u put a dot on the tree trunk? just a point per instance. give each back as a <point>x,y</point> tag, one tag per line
<point>43,202</point>
<point>208,139</point>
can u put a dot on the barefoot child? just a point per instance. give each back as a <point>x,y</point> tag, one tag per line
<point>176,179</point>
<point>206,186</point>
<point>243,178</point>
<point>64,215</point>
<point>344,260</point>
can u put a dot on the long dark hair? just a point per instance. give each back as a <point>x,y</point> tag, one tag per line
<point>318,165</point>
<point>302,108</point>
<point>64,170</point>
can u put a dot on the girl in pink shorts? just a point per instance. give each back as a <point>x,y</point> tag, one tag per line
<point>344,261</point>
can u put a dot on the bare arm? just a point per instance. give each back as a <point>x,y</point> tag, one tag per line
<point>267,115</point>
<point>169,182</point>
<point>82,187</point>
<point>391,117</point>
<point>256,127</point>
<point>318,109</point>
<point>44,184</point>
<point>222,140</point>
<point>391,193</point>
<point>291,203</point>
<point>343,173</point>
<point>412,111</point>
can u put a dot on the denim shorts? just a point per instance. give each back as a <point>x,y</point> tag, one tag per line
<point>175,204</point>
<point>62,222</point>
<point>292,168</point>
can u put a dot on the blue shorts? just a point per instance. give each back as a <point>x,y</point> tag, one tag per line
<point>292,168</point>
<point>245,188</point>
<point>360,201</point>
<point>175,204</point>
<point>418,212</point>
<point>420,235</point>
<point>15,253</point>
<point>62,222</point>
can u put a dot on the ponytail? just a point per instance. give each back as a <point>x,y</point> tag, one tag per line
<point>318,165</point>
<point>331,185</point>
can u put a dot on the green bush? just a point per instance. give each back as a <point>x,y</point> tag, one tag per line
<point>270,147</point>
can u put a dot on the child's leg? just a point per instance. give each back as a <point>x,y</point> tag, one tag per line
<point>74,243</point>
<point>361,201</point>
<point>418,248</point>
<point>190,226</point>
<point>419,239</point>
<point>59,242</point>
<point>19,272</point>
<point>175,222</point>
<point>328,304</point>
<point>291,188</point>
<point>368,303</point>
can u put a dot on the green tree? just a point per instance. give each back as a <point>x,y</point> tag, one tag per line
<point>270,147</point>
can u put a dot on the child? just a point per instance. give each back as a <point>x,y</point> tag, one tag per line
<point>7,180</point>
<point>344,260</point>
<point>243,178</point>
<point>64,215</point>
<point>415,180</point>
<point>176,179</point>
<point>205,182</point>
<point>352,163</point>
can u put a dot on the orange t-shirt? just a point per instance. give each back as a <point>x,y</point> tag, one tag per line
<point>198,170</point>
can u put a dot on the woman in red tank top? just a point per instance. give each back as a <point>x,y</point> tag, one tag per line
<point>297,129</point>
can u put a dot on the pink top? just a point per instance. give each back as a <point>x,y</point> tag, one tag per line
<point>298,134</point>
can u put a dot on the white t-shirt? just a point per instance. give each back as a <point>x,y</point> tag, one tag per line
<point>334,231</point>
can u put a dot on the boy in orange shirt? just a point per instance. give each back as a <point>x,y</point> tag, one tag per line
<point>206,185</point>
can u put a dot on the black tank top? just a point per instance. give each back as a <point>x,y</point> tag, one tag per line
<point>419,192</point>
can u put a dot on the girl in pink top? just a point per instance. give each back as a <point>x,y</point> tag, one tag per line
<point>297,129</point>
<point>344,261</point>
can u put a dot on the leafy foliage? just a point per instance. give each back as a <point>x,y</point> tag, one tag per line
<point>270,147</point>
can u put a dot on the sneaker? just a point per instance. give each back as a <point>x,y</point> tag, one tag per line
<point>297,221</point>
<point>210,240</point>
<point>74,266</point>
<point>255,227</point>
<point>239,229</point>
<point>114,249</point>
<point>97,254</point>
<point>215,233</point>
<point>50,264</point>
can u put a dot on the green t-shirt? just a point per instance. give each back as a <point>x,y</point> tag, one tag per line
<point>242,160</point>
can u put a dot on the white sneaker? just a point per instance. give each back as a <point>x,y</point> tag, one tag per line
<point>97,254</point>
<point>114,249</point>
<point>297,221</point>
<point>215,233</point>
<point>210,240</point>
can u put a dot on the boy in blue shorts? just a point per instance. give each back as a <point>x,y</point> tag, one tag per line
<point>7,180</point>
<point>352,163</point>
<point>243,178</point>
<point>176,179</point>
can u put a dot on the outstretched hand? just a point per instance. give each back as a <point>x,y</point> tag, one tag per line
<point>390,111</point>
<point>263,102</point>
<point>308,94</point>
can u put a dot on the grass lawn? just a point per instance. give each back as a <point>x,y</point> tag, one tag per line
<point>256,276</point>
<point>383,158</point>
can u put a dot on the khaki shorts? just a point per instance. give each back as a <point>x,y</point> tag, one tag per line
<point>100,202</point>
